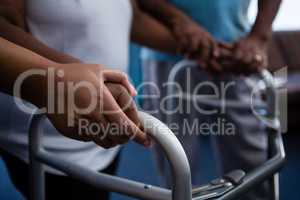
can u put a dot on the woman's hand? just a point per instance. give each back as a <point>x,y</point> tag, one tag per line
<point>96,105</point>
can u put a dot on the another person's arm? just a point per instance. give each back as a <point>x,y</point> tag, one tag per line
<point>113,104</point>
<point>250,52</point>
<point>193,40</point>
<point>12,28</point>
<point>145,31</point>
<point>149,32</point>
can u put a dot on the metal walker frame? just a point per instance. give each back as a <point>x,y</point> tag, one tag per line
<point>236,183</point>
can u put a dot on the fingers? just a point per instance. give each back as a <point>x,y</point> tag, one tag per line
<point>206,49</point>
<point>106,134</point>
<point>216,51</point>
<point>102,137</point>
<point>225,53</point>
<point>225,45</point>
<point>215,67</point>
<point>129,107</point>
<point>182,40</point>
<point>194,44</point>
<point>114,114</point>
<point>237,54</point>
<point>116,76</point>
<point>125,102</point>
<point>203,64</point>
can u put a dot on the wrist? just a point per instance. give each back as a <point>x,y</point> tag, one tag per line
<point>38,87</point>
<point>179,20</point>
<point>260,36</point>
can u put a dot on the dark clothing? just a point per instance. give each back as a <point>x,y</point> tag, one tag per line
<point>57,187</point>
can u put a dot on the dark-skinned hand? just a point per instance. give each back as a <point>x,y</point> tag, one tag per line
<point>194,41</point>
<point>249,55</point>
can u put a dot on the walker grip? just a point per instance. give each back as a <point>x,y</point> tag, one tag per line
<point>235,177</point>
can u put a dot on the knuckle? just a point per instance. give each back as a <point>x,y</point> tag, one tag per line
<point>98,68</point>
<point>121,90</point>
<point>124,76</point>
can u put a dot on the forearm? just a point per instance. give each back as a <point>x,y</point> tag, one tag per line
<point>15,60</point>
<point>164,11</point>
<point>147,31</point>
<point>267,11</point>
<point>20,37</point>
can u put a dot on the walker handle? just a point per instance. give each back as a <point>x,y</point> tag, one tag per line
<point>265,75</point>
<point>181,188</point>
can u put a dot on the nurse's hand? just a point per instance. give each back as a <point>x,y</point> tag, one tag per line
<point>219,63</point>
<point>194,41</point>
<point>249,55</point>
<point>96,105</point>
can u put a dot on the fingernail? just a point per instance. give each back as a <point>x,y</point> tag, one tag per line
<point>216,53</point>
<point>133,90</point>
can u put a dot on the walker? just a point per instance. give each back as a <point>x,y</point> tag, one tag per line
<point>231,186</point>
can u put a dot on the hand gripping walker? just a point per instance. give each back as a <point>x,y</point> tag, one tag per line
<point>230,186</point>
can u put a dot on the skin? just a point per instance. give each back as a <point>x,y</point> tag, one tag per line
<point>249,52</point>
<point>114,92</point>
<point>145,30</point>
<point>148,31</point>
<point>194,41</point>
<point>12,15</point>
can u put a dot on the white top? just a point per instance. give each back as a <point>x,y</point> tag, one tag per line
<point>95,31</point>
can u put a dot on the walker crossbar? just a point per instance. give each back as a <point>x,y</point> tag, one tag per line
<point>275,144</point>
<point>158,131</point>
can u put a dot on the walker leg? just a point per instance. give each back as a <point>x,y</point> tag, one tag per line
<point>274,180</point>
<point>37,176</point>
<point>274,183</point>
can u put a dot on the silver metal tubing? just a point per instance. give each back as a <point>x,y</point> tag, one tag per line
<point>158,131</point>
<point>173,150</point>
<point>274,127</point>
<point>266,76</point>
<point>37,176</point>
<point>263,172</point>
<point>277,156</point>
<point>181,188</point>
<point>217,103</point>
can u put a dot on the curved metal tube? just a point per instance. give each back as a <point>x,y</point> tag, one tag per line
<point>265,75</point>
<point>276,150</point>
<point>181,188</point>
<point>157,130</point>
<point>263,172</point>
<point>271,98</point>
